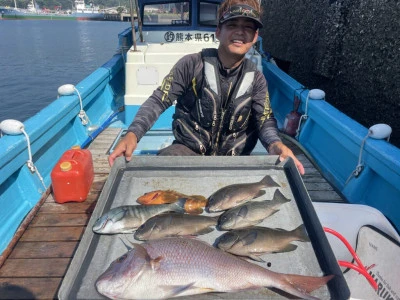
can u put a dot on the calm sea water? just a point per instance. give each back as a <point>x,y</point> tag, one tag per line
<point>37,56</point>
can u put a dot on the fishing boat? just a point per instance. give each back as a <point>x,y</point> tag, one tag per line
<point>351,187</point>
<point>81,12</point>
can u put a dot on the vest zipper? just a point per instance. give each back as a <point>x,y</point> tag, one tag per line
<point>202,149</point>
<point>240,106</point>
<point>236,145</point>
<point>234,135</point>
<point>221,125</point>
<point>214,118</point>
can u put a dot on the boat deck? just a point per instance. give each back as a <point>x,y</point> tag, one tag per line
<point>44,248</point>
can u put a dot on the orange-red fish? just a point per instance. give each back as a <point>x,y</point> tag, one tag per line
<point>159,197</point>
<point>194,203</point>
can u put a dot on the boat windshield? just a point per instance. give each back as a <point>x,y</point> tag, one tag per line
<point>172,13</point>
<point>179,13</point>
<point>208,13</point>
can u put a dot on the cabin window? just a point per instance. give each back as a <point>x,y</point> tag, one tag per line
<point>208,13</point>
<point>167,14</point>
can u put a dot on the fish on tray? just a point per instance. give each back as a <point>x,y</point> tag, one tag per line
<point>235,194</point>
<point>256,241</point>
<point>173,224</point>
<point>126,219</point>
<point>251,213</point>
<point>194,203</point>
<point>194,206</point>
<point>173,267</point>
<point>167,196</point>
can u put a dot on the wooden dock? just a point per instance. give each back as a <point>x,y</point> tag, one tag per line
<point>35,266</point>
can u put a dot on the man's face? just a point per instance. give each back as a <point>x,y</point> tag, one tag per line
<point>237,36</point>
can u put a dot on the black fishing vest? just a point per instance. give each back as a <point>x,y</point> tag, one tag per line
<point>204,124</point>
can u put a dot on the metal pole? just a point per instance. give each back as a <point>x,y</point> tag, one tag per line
<point>139,21</point>
<point>133,26</point>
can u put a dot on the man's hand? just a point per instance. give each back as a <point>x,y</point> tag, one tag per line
<point>125,147</point>
<point>279,148</point>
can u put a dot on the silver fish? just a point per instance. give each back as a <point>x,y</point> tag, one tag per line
<point>173,224</point>
<point>126,219</point>
<point>235,194</point>
<point>256,241</point>
<point>251,213</point>
<point>172,267</point>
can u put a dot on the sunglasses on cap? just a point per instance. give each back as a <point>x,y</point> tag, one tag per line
<point>241,11</point>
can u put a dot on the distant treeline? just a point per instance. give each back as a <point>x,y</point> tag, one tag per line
<point>65,4</point>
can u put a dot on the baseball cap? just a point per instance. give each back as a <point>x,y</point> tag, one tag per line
<point>241,11</point>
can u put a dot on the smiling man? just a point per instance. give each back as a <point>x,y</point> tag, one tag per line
<point>222,100</point>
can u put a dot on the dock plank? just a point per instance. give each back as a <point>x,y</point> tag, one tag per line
<point>60,219</point>
<point>324,196</point>
<point>35,267</point>
<point>318,186</point>
<point>37,264</point>
<point>29,288</point>
<point>44,249</point>
<point>69,208</point>
<point>53,234</point>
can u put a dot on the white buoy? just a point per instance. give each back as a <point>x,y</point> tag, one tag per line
<point>11,127</point>
<point>316,94</point>
<point>380,131</point>
<point>15,127</point>
<point>66,90</point>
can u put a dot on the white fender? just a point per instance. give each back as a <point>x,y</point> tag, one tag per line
<point>11,127</point>
<point>380,131</point>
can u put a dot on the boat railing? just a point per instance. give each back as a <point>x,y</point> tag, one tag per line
<point>51,132</point>
<point>332,137</point>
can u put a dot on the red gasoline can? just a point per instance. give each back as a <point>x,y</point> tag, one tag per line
<point>73,176</point>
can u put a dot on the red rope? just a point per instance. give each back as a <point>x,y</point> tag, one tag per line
<point>360,268</point>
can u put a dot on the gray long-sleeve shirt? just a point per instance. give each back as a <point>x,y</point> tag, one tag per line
<point>179,81</point>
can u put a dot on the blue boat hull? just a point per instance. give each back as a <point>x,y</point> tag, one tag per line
<point>52,131</point>
<point>332,139</point>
